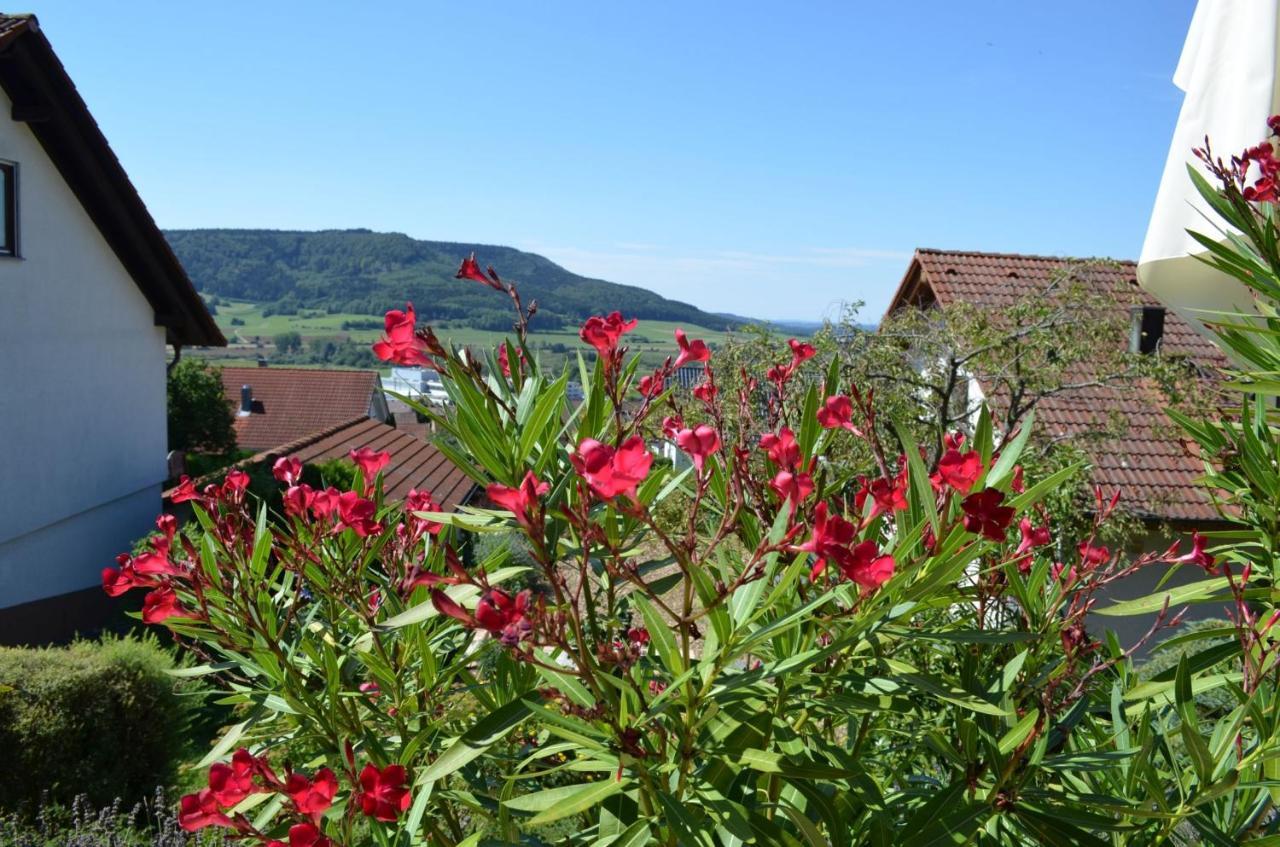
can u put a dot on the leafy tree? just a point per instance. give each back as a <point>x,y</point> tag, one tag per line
<point>199,415</point>
<point>288,342</point>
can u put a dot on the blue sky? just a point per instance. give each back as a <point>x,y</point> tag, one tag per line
<point>769,159</point>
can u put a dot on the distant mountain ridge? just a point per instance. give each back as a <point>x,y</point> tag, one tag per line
<point>365,272</point>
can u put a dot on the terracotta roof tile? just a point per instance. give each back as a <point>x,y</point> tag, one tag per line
<point>291,403</point>
<point>1154,469</point>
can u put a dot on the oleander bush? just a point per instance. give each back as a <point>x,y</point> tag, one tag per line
<point>754,645</point>
<point>96,719</point>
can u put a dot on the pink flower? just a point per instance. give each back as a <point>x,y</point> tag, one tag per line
<point>800,352</point>
<point>837,413</point>
<point>325,503</point>
<point>521,501</point>
<point>1032,537</point>
<point>793,488</point>
<point>700,443</point>
<point>865,565</point>
<point>236,482</point>
<point>185,490</point>
<point>603,333</point>
<point>1016,485</point>
<point>983,514</point>
<point>612,472</point>
<point>1198,555</point>
<point>400,344</point>
<point>1092,555</point>
<point>160,605</point>
<point>672,424</point>
<point>706,392</point>
<point>297,499</point>
<point>470,269</point>
<point>505,364</point>
<point>651,386</point>
<point>505,617</point>
<point>355,512</point>
<point>690,351</point>
<point>383,794</point>
<point>421,501</point>
<point>232,783</point>
<point>783,449</point>
<point>960,470</point>
<point>312,796</point>
<point>370,462</point>
<point>199,810</point>
<point>287,469</point>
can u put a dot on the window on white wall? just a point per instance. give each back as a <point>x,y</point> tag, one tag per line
<point>8,209</point>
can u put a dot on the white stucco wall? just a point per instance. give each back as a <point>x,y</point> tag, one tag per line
<point>82,391</point>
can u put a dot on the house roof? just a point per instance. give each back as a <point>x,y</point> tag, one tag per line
<point>45,98</point>
<point>292,403</point>
<point>414,463</point>
<point>1155,470</point>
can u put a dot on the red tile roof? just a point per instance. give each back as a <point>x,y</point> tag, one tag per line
<point>1155,471</point>
<point>292,403</point>
<point>414,462</point>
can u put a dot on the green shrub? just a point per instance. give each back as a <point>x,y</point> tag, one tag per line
<point>100,719</point>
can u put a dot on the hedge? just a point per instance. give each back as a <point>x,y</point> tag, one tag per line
<point>100,719</point>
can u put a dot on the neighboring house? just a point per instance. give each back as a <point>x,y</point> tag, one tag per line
<point>87,282</point>
<point>1156,471</point>
<point>414,464</point>
<point>420,384</point>
<point>273,406</point>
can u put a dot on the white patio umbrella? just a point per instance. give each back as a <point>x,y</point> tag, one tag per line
<point>1228,71</point>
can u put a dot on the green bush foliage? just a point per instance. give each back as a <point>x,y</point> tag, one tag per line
<point>100,720</point>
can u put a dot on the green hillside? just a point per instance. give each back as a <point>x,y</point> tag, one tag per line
<point>360,272</point>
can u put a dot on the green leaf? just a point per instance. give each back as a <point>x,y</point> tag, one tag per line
<point>552,804</point>
<point>1190,593</point>
<point>660,632</point>
<point>1011,452</point>
<point>488,731</point>
<point>1019,733</point>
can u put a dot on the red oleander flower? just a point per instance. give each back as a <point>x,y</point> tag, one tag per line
<point>672,424</point>
<point>470,269</point>
<point>603,333</point>
<point>837,413</point>
<point>638,635</point>
<point>887,495</point>
<point>185,490</point>
<point>1032,537</point>
<point>1092,555</point>
<point>325,503</point>
<point>168,525</point>
<point>287,469</point>
<point>236,482</point>
<point>700,443</point>
<point>155,562</point>
<point>421,501</point>
<point>865,565</point>
<point>400,344</point>
<point>1198,555</point>
<point>383,794</point>
<point>691,351</point>
<point>983,514</point>
<point>199,810</point>
<point>312,796</point>
<point>521,501</point>
<point>706,392</point>
<point>778,375</point>
<point>960,470</point>
<point>297,500</point>
<point>612,472</point>
<point>801,351</point>
<point>1016,485</point>
<point>357,513</point>
<point>117,581</point>
<point>306,835</point>
<point>653,385</point>
<point>829,537</point>
<point>370,462</point>
<point>161,604</point>
<point>231,783</point>
<point>504,616</point>
<point>782,449</point>
<point>792,488</point>
<point>504,363</point>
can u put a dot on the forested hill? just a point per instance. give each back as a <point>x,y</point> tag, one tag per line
<point>365,272</point>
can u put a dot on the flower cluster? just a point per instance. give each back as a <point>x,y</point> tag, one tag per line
<point>382,794</point>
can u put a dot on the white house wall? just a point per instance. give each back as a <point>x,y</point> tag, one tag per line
<point>82,391</point>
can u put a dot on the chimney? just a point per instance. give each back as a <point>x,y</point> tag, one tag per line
<point>262,361</point>
<point>246,401</point>
<point>1146,329</point>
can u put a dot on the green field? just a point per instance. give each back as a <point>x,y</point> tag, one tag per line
<point>652,339</point>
